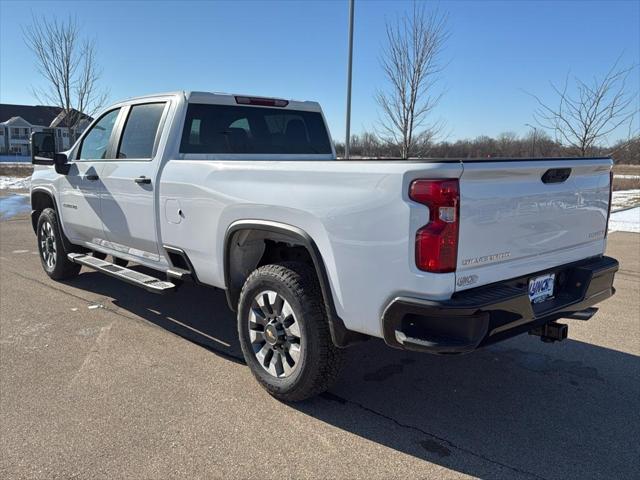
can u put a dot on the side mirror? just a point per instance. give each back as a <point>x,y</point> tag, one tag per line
<point>61,163</point>
<point>43,148</point>
<point>43,152</point>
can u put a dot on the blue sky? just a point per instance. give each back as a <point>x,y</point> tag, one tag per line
<point>297,49</point>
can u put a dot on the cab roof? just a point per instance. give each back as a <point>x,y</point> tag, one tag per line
<point>219,98</point>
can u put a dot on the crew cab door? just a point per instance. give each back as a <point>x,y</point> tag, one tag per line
<point>80,189</point>
<point>128,194</point>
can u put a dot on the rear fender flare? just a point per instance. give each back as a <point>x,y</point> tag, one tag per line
<point>339,334</point>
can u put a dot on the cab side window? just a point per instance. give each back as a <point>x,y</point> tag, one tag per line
<point>140,130</point>
<point>96,143</point>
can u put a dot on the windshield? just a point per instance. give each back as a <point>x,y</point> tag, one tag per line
<point>239,129</point>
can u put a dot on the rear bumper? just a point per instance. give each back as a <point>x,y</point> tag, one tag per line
<point>485,315</point>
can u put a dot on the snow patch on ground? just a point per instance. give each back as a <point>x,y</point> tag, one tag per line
<point>625,221</point>
<point>14,183</point>
<point>625,199</point>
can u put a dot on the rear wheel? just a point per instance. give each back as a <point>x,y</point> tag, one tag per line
<point>284,332</point>
<point>51,248</point>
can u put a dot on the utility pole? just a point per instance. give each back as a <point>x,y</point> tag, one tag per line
<point>535,136</point>
<point>347,139</point>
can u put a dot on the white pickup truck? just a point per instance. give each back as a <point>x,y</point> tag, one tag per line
<point>246,194</point>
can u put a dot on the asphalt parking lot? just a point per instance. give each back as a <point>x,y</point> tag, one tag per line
<point>99,379</point>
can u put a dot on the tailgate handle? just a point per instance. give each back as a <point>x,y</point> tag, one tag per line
<point>556,175</point>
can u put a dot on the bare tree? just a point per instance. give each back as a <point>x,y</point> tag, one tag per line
<point>412,64</point>
<point>68,64</point>
<point>585,116</point>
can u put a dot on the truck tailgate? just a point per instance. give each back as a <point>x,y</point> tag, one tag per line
<point>514,220</point>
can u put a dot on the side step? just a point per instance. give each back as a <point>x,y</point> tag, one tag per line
<point>149,283</point>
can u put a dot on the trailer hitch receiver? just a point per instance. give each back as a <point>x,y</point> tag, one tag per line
<point>551,332</point>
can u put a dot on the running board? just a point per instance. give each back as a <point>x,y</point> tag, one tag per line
<point>149,283</point>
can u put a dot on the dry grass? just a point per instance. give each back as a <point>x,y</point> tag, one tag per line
<point>626,183</point>
<point>626,169</point>
<point>12,170</point>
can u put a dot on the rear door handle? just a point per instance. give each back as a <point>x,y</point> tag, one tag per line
<point>92,177</point>
<point>142,180</point>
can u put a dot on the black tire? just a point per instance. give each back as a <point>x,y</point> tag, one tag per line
<point>53,255</point>
<point>319,361</point>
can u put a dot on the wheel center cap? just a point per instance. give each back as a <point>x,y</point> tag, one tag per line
<point>271,334</point>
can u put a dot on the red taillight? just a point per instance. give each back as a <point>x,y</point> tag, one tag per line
<point>262,102</point>
<point>606,228</point>
<point>437,241</point>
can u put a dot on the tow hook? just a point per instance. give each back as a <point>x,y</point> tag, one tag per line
<point>551,332</point>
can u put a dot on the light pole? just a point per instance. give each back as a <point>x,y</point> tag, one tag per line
<point>347,139</point>
<point>535,135</point>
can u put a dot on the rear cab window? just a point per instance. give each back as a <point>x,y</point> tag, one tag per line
<point>140,130</point>
<point>215,129</point>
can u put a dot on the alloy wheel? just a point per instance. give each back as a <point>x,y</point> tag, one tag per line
<point>48,247</point>
<point>274,333</point>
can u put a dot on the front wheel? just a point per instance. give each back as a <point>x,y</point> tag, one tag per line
<point>284,332</point>
<point>51,248</point>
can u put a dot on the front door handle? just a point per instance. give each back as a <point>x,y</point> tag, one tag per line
<point>93,177</point>
<point>142,180</point>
